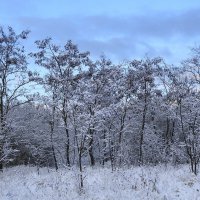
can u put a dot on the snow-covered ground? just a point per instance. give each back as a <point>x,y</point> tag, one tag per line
<point>24,183</point>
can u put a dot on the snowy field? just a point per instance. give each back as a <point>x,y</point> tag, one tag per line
<point>167,183</point>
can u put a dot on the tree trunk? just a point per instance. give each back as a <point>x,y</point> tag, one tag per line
<point>91,140</point>
<point>67,144</point>
<point>54,157</point>
<point>104,147</point>
<point>143,126</point>
<point>1,156</point>
<point>2,132</point>
<point>80,168</point>
<point>122,121</point>
<point>90,150</point>
<point>67,147</point>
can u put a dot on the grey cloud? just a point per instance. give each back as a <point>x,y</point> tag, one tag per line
<point>120,37</point>
<point>163,25</point>
<point>156,25</point>
<point>116,48</point>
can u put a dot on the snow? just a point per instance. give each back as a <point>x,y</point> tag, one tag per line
<point>160,182</point>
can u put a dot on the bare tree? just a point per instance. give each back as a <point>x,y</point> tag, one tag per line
<point>14,76</point>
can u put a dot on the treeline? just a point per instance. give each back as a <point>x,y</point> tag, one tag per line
<point>141,112</point>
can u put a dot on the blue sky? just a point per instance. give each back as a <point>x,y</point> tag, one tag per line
<point>120,29</point>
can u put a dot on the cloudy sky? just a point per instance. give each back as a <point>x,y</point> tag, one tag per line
<point>121,29</point>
